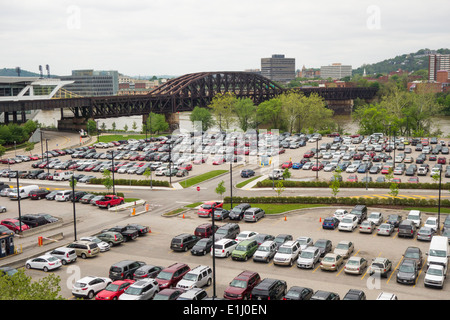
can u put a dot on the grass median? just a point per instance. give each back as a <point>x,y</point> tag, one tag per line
<point>274,208</point>
<point>202,177</point>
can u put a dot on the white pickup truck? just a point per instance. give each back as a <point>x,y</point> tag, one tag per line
<point>276,174</point>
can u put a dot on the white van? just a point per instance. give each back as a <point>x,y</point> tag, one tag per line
<point>63,195</point>
<point>438,252</point>
<point>416,217</point>
<point>23,191</point>
<point>62,175</point>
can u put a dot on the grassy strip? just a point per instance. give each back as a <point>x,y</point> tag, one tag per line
<point>193,205</point>
<point>273,208</point>
<point>245,182</point>
<point>202,177</point>
<point>131,199</point>
<point>173,212</point>
<point>430,209</point>
<point>117,137</point>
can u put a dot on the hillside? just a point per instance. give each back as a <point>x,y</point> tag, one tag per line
<point>410,62</point>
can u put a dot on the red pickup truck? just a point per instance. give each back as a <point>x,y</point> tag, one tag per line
<point>109,201</point>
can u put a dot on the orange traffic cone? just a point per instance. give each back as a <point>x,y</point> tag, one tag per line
<point>183,215</point>
<point>320,219</point>
<point>285,218</point>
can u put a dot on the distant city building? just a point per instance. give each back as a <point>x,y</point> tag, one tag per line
<point>308,73</point>
<point>436,63</point>
<point>335,71</point>
<point>278,68</point>
<point>441,84</point>
<point>257,71</point>
<point>88,83</point>
<point>130,86</point>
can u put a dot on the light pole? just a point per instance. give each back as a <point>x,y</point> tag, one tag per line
<point>74,211</point>
<point>112,169</point>
<point>18,201</point>
<point>439,203</point>
<point>213,254</point>
<point>317,158</point>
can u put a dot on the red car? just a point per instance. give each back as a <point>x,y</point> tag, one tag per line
<point>413,180</point>
<point>317,167</point>
<point>207,208</point>
<point>385,170</point>
<point>397,180</point>
<point>442,160</point>
<point>186,166</point>
<point>352,178</point>
<point>287,164</point>
<point>308,154</point>
<point>218,161</point>
<point>14,225</point>
<point>114,290</point>
<point>242,285</point>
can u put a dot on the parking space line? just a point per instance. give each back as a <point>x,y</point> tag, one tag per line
<point>367,269</point>
<point>424,263</point>
<point>393,271</point>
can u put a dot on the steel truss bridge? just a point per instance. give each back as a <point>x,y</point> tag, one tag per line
<point>181,94</point>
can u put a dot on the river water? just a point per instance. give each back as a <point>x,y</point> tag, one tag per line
<point>51,117</point>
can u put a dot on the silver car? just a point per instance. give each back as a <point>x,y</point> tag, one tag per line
<point>385,229</point>
<point>144,289</point>
<point>2,209</point>
<point>254,214</point>
<point>266,251</point>
<point>425,233</point>
<point>355,265</point>
<point>367,226</point>
<point>308,258</point>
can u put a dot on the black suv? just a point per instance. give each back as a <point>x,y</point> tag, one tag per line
<point>269,289</point>
<point>33,220</point>
<point>360,211</point>
<point>183,242</point>
<point>237,213</point>
<point>128,234</point>
<point>227,231</point>
<point>355,294</point>
<point>124,269</point>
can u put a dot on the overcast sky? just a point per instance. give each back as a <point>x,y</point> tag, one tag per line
<point>176,37</point>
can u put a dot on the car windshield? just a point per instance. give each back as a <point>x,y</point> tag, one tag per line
<point>437,253</point>
<point>285,250</point>
<point>406,268</point>
<point>133,291</point>
<point>307,254</point>
<point>320,244</point>
<point>241,248</point>
<point>347,220</point>
<point>434,272</point>
<point>264,249</point>
<point>221,231</point>
<point>413,217</point>
<point>412,255</point>
<point>190,277</point>
<point>342,246</point>
<point>164,275</point>
<point>206,206</point>
<point>374,215</point>
<point>238,283</point>
<point>329,259</point>
<point>112,287</point>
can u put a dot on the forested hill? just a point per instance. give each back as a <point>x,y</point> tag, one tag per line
<point>410,62</point>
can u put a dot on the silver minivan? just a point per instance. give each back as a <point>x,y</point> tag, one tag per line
<point>265,251</point>
<point>66,255</point>
<point>254,214</point>
<point>63,195</point>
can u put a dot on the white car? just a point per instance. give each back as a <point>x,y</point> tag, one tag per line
<point>102,245</point>
<point>348,223</point>
<point>144,289</point>
<point>45,262</point>
<point>376,217</point>
<point>435,276</point>
<point>246,235</point>
<point>415,216</point>
<point>287,253</point>
<point>2,209</point>
<point>89,286</point>
<point>352,168</point>
<point>340,213</point>
<point>160,171</point>
<point>224,247</point>
<point>196,278</point>
<point>305,242</point>
<point>432,223</point>
<point>308,258</point>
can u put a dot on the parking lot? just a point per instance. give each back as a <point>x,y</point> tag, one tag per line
<point>153,248</point>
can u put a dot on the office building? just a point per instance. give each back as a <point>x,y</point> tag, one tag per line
<point>436,63</point>
<point>278,68</point>
<point>89,83</point>
<point>335,71</point>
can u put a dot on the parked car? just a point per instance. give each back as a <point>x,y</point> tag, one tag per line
<point>114,290</point>
<point>331,261</point>
<point>367,226</point>
<point>298,293</point>
<point>348,223</point>
<point>89,286</point>
<point>269,289</point>
<point>435,276</point>
<point>169,276</point>
<point>224,247</point>
<point>325,295</point>
<point>355,294</point>
<point>324,246</point>
<point>111,237</point>
<point>66,255</point>
<point>385,229</point>
<point>266,251</point>
<point>425,233</point>
<point>143,289</point>
<point>355,265</point>
<point>146,271</point>
<point>84,249</point>
<point>376,217</point>
<point>183,242</point>
<point>380,266</point>
<point>168,294</point>
<point>244,250</point>
<point>330,223</point>
<point>202,247</point>
<point>308,258</point>
<point>242,285</point>
<point>407,272</point>
<point>254,214</point>
<point>44,262</point>
<point>124,269</point>
<point>237,213</point>
<point>282,238</point>
<point>197,277</point>
<point>344,248</point>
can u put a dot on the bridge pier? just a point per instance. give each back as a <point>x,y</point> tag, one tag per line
<point>173,119</point>
<point>340,107</point>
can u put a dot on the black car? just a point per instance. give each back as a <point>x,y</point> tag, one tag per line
<point>147,271</point>
<point>415,254</point>
<point>124,269</point>
<point>38,194</point>
<point>48,217</point>
<point>269,289</point>
<point>202,247</point>
<point>298,293</point>
<point>325,295</point>
<point>183,242</point>
<point>247,173</point>
<point>78,196</point>
<point>394,219</point>
<point>282,238</point>
<point>261,237</point>
<point>33,220</point>
<point>355,294</point>
<point>407,272</point>
<point>221,214</point>
<point>142,230</point>
<point>128,234</point>
<point>237,213</point>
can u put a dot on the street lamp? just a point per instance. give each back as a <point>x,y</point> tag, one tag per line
<point>439,203</point>
<point>213,211</point>
<point>18,200</point>
<point>74,211</point>
<point>112,169</point>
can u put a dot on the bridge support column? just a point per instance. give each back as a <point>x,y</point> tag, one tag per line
<point>174,120</point>
<point>340,107</point>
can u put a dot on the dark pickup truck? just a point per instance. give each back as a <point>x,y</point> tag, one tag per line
<point>127,233</point>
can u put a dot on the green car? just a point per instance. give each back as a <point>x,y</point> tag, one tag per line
<point>244,250</point>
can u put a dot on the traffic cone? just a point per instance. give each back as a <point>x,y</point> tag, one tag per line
<point>183,215</point>
<point>320,219</point>
<point>285,218</point>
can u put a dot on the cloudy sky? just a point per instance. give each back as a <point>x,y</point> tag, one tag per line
<point>176,37</point>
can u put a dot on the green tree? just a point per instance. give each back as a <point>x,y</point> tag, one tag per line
<point>220,189</point>
<point>204,116</point>
<point>245,111</point>
<point>270,113</point>
<point>125,128</point>
<point>279,188</point>
<point>157,123</point>
<point>107,179</point>
<point>148,174</point>
<point>2,151</point>
<point>286,174</point>
<point>335,184</point>
<point>91,127</point>
<point>23,287</point>
<point>134,125</point>
<point>222,106</point>
<point>113,126</point>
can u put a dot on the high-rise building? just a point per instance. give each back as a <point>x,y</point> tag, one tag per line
<point>278,68</point>
<point>335,71</point>
<point>88,83</point>
<point>437,62</point>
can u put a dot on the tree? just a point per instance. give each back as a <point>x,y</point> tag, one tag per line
<point>125,128</point>
<point>222,106</point>
<point>148,174</point>
<point>292,105</point>
<point>204,116</point>
<point>157,123</point>
<point>270,113</point>
<point>286,174</point>
<point>336,182</point>
<point>134,125</point>
<point>22,287</point>
<point>107,179</point>
<point>113,126</point>
<point>2,151</point>
<point>91,127</point>
<point>220,189</point>
<point>29,146</point>
<point>245,111</point>
<point>393,190</point>
<point>279,188</point>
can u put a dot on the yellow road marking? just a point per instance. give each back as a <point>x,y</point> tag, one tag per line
<point>393,271</point>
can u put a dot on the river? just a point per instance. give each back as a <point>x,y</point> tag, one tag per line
<point>50,118</point>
